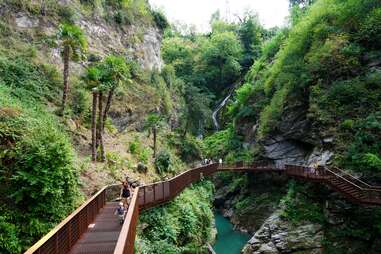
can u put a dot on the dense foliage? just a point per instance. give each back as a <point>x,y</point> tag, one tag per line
<point>210,65</point>
<point>326,64</point>
<point>37,177</point>
<point>182,226</point>
<point>323,70</point>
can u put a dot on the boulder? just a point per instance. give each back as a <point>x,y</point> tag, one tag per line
<point>141,168</point>
<point>24,21</point>
<point>277,235</point>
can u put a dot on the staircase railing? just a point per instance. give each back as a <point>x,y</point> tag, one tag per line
<point>126,240</point>
<point>63,237</point>
<point>67,233</point>
<point>355,179</point>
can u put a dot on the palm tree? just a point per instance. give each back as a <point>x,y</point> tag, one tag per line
<point>92,78</point>
<point>93,125</point>
<point>153,123</point>
<point>74,44</point>
<point>115,71</point>
<point>101,156</point>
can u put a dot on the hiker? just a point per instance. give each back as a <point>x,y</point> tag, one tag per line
<point>220,161</point>
<point>125,194</point>
<point>121,212</point>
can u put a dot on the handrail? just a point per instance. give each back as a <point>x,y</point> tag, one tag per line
<point>125,243</point>
<point>66,222</point>
<point>346,180</point>
<point>157,193</point>
<point>372,187</point>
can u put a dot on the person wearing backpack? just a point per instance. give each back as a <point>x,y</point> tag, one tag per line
<point>121,212</point>
<point>125,194</point>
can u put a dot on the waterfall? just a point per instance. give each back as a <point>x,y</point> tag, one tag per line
<point>219,107</point>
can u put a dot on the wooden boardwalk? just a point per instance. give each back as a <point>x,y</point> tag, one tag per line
<point>102,234</point>
<point>93,227</point>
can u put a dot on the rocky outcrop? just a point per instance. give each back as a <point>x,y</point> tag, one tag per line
<point>282,150</point>
<point>258,196</point>
<point>278,236</point>
<point>138,42</point>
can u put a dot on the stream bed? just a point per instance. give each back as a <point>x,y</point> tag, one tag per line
<point>228,241</point>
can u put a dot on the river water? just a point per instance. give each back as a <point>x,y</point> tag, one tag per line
<point>228,241</point>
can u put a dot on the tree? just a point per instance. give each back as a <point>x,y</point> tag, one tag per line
<point>74,44</point>
<point>99,133</point>
<point>104,77</point>
<point>251,35</point>
<point>114,71</point>
<point>180,53</point>
<point>220,61</point>
<point>153,123</point>
<point>93,125</point>
<point>197,112</point>
<point>92,79</point>
<point>301,3</point>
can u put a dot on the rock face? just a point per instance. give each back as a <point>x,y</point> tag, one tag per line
<point>149,48</point>
<point>262,202</point>
<point>278,236</point>
<point>282,150</point>
<point>138,42</point>
<point>24,21</point>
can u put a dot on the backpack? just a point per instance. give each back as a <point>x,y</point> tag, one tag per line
<point>126,193</point>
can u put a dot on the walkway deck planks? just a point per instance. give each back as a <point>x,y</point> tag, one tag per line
<point>102,234</point>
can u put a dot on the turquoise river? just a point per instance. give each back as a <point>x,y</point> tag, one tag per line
<point>228,241</point>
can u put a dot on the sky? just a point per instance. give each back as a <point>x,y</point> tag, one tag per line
<point>198,12</point>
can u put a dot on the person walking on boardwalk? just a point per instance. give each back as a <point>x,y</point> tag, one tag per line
<point>121,212</point>
<point>125,193</point>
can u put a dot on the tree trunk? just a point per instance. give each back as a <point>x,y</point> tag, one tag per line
<point>94,127</point>
<point>185,129</point>
<point>107,107</point>
<point>66,56</point>
<point>154,142</point>
<point>99,130</point>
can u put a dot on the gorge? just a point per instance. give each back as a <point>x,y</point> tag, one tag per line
<point>159,95</point>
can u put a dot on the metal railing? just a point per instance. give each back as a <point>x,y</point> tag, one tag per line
<point>63,237</point>
<point>126,239</point>
<point>306,172</point>
<point>67,233</point>
<point>154,194</point>
<point>357,190</point>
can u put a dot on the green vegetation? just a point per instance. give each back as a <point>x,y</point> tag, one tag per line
<point>74,45</point>
<point>299,207</point>
<point>323,67</point>
<point>153,123</point>
<point>38,179</point>
<point>209,65</point>
<point>322,64</point>
<point>39,176</point>
<point>182,226</point>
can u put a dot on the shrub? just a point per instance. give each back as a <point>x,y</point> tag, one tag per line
<point>299,208</point>
<point>80,101</point>
<point>181,226</point>
<point>29,80</point>
<point>160,19</point>
<point>190,149</point>
<point>163,162</point>
<point>144,155</point>
<point>37,174</point>
<point>67,13</point>
<point>363,153</point>
<point>134,146</point>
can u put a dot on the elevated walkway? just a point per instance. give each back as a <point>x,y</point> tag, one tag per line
<point>93,228</point>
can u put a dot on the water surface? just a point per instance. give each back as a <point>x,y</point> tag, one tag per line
<point>228,240</point>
